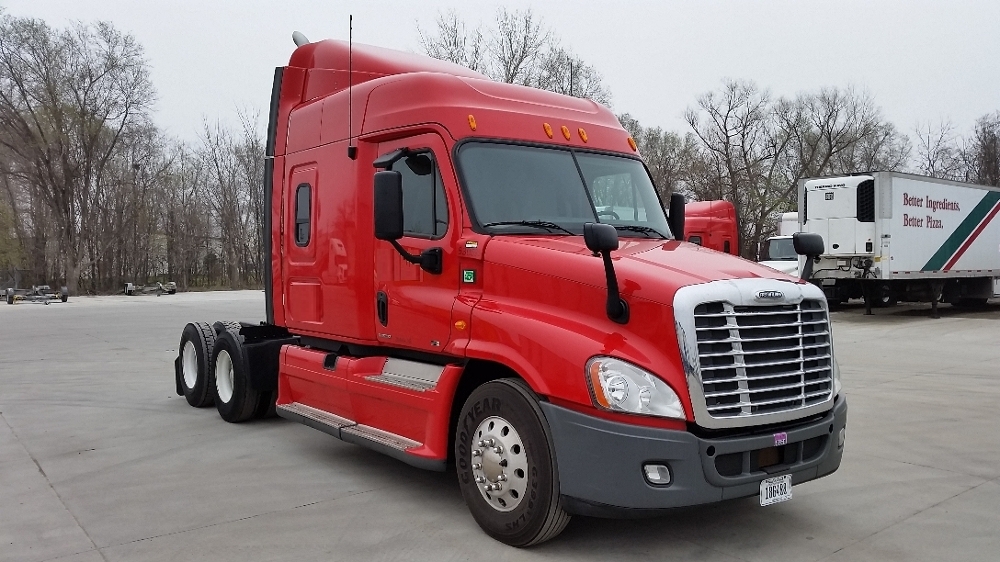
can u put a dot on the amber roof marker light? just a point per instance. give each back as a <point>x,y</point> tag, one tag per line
<point>548,129</point>
<point>631,143</point>
<point>565,132</point>
<point>583,134</point>
<point>472,122</point>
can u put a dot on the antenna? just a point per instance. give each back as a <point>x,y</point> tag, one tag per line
<point>299,38</point>
<point>352,151</point>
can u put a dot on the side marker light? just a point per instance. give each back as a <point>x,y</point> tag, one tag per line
<point>548,129</point>
<point>583,134</point>
<point>472,122</point>
<point>565,132</point>
<point>631,143</point>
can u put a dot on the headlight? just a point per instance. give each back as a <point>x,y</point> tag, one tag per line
<point>621,387</point>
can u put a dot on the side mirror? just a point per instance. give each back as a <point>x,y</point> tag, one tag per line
<point>388,206</point>
<point>600,237</point>
<point>810,245</point>
<point>676,218</point>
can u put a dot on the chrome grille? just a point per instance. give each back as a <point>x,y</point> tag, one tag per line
<point>763,359</point>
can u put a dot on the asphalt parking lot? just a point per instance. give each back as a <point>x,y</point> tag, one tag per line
<point>100,460</point>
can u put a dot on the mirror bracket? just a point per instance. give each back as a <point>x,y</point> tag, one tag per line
<point>430,260</point>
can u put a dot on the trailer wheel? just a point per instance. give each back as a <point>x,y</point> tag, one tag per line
<point>885,296</point>
<point>197,373</point>
<point>10,296</point>
<point>235,399</point>
<point>506,465</point>
<point>64,294</point>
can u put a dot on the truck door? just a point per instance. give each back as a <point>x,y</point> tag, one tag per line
<point>414,307</point>
<point>300,275</point>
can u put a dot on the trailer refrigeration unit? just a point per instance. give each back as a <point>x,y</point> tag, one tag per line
<point>448,286</point>
<point>904,237</point>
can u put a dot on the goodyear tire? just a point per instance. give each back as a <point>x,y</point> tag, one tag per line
<point>235,398</point>
<point>196,372</point>
<point>502,440</point>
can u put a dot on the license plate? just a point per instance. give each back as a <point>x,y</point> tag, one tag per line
<point>775,490</point>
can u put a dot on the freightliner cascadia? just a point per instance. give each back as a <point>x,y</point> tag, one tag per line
<point>904,237</point>
<point>477,275</point>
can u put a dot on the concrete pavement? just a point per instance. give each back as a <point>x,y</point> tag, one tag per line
<point>100,460</point>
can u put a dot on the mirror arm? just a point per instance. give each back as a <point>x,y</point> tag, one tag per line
<point>430,260</point>
<point>807,268</point>
<point>617,308</point>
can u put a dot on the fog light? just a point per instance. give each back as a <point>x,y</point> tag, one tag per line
<point>656,474</point>
<point>841,437</point>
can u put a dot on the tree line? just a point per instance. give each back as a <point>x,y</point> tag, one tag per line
<point>95,195</point>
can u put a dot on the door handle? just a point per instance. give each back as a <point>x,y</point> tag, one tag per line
<point>382,307</point>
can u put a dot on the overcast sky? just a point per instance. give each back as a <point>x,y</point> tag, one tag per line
<point>922,61</point>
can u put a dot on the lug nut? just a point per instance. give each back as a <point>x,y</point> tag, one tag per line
<point>490,442</point>
<point>502,477</point>
<point>477,453</point>
<point>477,466</point>
<point>498,450</point>
<point>481,443</point>
<point>497,487</point>
<point>480,480</point>
<point>488,487</point>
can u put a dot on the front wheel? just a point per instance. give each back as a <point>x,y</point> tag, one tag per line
<point>506,465</point>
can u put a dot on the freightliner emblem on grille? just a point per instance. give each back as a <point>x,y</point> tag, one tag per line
<point>769,295</point>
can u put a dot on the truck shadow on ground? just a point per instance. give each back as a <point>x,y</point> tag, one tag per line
<point>855,311</point>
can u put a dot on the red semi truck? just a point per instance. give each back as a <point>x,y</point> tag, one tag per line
<point>480,275</point>
<point>712,224</point>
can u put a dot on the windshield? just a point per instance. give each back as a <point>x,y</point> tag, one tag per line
<point>779,249</point>
<point>518,189</point>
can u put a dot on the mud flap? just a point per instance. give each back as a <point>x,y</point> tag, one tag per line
<point>177,376</point>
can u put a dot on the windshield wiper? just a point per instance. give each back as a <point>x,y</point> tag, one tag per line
<point>643,229</point>
<point>550,226</point>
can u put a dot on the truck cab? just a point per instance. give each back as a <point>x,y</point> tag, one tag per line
<point>482,276</point>
<point>712,224</point>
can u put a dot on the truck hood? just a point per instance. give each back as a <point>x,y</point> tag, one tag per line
<point>648,269</point>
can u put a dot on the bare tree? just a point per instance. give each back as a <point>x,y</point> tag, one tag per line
<point>982,152</point>
<point>518,49</point>
<point>938,152</point>
<point>67,99</point>
<point>753,149</point>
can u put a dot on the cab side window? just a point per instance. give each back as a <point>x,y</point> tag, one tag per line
<point>425,208</point>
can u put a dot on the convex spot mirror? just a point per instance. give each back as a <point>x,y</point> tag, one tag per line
<point>807,244</point>
<point>388,205</point>
<point>600,237</point>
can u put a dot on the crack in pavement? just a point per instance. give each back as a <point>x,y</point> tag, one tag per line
<point>51,487</point>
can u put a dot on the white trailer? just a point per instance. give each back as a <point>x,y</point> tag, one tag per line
<point>894,236</point>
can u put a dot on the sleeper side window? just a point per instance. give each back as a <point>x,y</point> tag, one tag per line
<point>425,208</point>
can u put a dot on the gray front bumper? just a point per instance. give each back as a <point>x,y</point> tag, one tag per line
<point>600,462</point>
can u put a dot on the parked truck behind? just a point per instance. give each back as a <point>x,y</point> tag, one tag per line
<point>476,275</point>
<point>895,236</point>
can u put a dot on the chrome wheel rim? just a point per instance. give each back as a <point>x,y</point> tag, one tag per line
<point>189,364</point>
<point>499,464</point>
<point>224,376</point>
